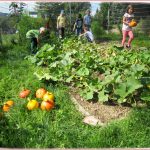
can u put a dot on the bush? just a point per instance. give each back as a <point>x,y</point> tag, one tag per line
<point>97,29</point>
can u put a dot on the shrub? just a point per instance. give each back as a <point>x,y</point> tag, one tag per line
<point>97,29</point>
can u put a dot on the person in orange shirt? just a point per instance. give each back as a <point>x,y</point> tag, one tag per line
<point>61,24</point>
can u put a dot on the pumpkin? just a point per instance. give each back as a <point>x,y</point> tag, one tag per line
<point>24,93</point>
<point>40,93</point>
<point>133,23</point>
<point>47,105</point>
<point>48,96</point>
<point>32,104</point>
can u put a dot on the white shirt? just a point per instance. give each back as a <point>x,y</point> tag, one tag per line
<point>89,36</point>
<point>128,19</point>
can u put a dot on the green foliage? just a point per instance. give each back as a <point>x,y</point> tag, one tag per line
<point>143,26</point>
<point>62,127</point>
<point>112,74</point>
<point>97,29</point>
<point>7,23</point>
<point>27,23</point>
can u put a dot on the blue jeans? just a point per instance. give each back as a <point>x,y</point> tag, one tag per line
<point>78,31</point>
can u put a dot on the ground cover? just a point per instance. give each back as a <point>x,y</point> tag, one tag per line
<point>62,127</point>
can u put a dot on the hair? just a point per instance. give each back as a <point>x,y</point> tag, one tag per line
<point>79,16</point>
<point>129,7</point>
<point>42,29</point>
<point>86,28</point>
<point>88,10</point>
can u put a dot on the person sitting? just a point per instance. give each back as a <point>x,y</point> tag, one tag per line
<point>87,34</point>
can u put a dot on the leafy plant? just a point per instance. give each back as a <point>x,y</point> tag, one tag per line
<point>113,75</point>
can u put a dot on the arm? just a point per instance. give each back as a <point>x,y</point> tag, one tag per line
<point>66,22</point>
<point>83,34</point>
<point>57,22</point>
<point>38,41</point>
<point>124,20</point>
<point>74,27</point>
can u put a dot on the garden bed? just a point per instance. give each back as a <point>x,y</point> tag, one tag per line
<point>104,112</point>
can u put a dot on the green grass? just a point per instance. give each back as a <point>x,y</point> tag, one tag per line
<point>61,127</point>
<point>139,40</point>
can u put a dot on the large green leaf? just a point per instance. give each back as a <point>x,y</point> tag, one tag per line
<point>133,84</point>
<point>121,90</point>
<point>102,96</point>
<point>83,71</point>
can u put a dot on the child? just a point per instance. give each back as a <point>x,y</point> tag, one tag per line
<point>87,34</point>
<point>78,25</point>
<point>126,29</point>
<point>34,36</point>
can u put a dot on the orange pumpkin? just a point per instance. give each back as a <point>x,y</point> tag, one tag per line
<point>40,93</point>
<point>24,93</point>
<point>133,23</point>
<point>47,105</point>
<point>6,107</point>
<point>10,102</point>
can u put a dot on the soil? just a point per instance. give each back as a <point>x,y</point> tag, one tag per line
<point>104,112</point>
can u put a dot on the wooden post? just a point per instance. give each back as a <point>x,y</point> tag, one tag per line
<point>108,18</point>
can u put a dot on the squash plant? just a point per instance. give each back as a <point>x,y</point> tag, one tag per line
<point>94,69</point>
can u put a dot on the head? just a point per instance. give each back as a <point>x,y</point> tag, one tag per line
<point>62,13</point>
<point>42,30</point>
<point>79,16</point>
<point>130,9</point>
<point>88,12</point>
<point>85,29</point>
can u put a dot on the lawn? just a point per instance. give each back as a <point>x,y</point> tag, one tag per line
<point>63,126</point>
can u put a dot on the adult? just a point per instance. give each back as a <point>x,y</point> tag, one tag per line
<point>61,24</point>
<point>87,20</point>
<point>78,25</point>
<point>34,36</point>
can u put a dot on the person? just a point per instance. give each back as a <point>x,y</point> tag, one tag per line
<point>78,25</point>
<point>61,24</point>
<point>34,35</point>
<point>87,34</point>
<point>126,29</point>
<point>87,20</point>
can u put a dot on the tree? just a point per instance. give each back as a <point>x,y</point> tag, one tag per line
<point>16,8</point>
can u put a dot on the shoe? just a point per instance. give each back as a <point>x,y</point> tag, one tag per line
<point>127,46</point>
